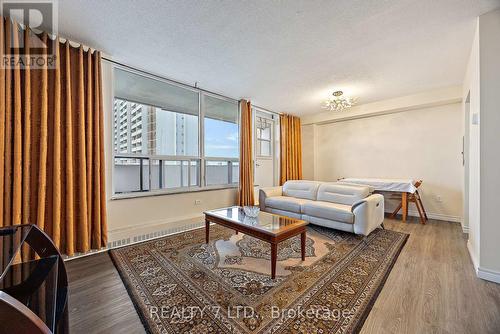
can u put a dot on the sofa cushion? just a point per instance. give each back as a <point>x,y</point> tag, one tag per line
<point>301,189</point>
<point>333,211</point>
<point>286,203</point>
<point>342,193</point>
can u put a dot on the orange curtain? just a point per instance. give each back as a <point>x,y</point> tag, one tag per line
<point>245,188</point>
<point>51,143</point>
<point>290,148</point>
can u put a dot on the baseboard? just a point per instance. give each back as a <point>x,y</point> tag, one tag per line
<point>149,230</point>
<point>154,232</point>
<point>489,275</point>
<point>472,256</point>
<point>181,226</point>
<point>131,234</point>
<point>153,223</point>
<point>465,229</point>
<point>436,216</point>
<point>486,274</point>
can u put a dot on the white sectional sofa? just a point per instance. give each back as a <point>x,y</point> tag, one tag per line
<point>350,208</point>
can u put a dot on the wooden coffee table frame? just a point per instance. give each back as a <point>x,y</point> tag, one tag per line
<point>273,238</point>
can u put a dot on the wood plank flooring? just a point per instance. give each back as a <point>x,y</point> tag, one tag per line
<point>98,301</point>
<point>431,289</point>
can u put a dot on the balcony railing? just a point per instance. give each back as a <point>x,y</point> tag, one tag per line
<point>136,173</point>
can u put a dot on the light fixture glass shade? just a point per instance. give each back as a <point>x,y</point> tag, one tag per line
<point>338,102</point>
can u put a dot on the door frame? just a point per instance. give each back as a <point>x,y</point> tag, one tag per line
<point>275,137</point>
<point>465,161</point>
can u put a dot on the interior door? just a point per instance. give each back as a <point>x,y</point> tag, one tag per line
<point>265,151</point>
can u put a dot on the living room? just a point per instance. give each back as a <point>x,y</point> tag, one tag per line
<point>249,167</point>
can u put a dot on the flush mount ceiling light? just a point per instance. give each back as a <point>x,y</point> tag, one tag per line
<point>338,102</point>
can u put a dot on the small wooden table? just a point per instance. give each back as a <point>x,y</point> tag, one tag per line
<point>266,227</point>
<point>405,187</point>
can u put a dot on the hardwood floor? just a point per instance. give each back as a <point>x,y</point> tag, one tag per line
<point>98,301</point>
<point>431,289</point>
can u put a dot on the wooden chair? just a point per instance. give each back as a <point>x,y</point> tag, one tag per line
<point>413,198</point>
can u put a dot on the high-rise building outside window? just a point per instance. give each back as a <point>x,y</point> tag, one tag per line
<point>165,140</point>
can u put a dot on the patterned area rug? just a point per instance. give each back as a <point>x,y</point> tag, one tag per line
<point>179,284</point>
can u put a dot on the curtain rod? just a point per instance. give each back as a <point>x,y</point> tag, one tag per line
<point>182,83</point>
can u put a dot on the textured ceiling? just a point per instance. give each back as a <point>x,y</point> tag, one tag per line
<point>285,55</point>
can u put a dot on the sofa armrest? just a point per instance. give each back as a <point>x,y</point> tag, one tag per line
<point>268,192</point>
<point>368,214</point>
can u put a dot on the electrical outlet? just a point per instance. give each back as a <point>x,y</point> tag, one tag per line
<point>197,202</point>
<point>438,198</point>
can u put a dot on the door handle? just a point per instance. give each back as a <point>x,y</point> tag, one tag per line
<point>463,151</point>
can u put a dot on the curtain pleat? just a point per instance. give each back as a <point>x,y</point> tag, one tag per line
<point>56,152</point>
<point>17,136</point>
<point>3,242</point>
<point>101,229</point>
<point>2,123</point>
<point>51,143</point>
<point>81,172</point>
<point>69,170</point>
<point>290,148</point>
<point>42,150</point>
<point>7,204</point>
<point>88,140</point>
<point>27,136</point>
<point>245,188</point>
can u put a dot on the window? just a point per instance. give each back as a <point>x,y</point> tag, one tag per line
<point>264,128</point>
<point>221,140</point>
<point>165,140</point>
<point>131,175</point>
<point>221,128</point>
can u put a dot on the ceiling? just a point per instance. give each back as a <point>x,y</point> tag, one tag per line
<point>287,56</point>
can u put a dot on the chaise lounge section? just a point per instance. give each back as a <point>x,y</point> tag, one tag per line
<point>349,208</point>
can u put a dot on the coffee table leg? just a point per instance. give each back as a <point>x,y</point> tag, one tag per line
<point>303,245</point>
<point>207,231</point>
<point>274,256</point>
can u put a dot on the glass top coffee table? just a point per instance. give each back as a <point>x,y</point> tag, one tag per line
<point>266,227</point>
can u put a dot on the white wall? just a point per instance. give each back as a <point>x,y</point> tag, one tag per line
<point>420,144</point>
<point>489,54</point>
<point>308,151</point>
<point>131,217</point>
<point>471,86</point>
<point>482,80</point>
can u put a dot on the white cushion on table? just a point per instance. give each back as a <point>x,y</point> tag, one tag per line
<point>397,185</point>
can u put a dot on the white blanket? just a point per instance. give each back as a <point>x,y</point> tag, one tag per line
<point>396,185</point>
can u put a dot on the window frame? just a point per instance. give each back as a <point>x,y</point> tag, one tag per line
<point>201,159</point>
<point>258,148</point>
